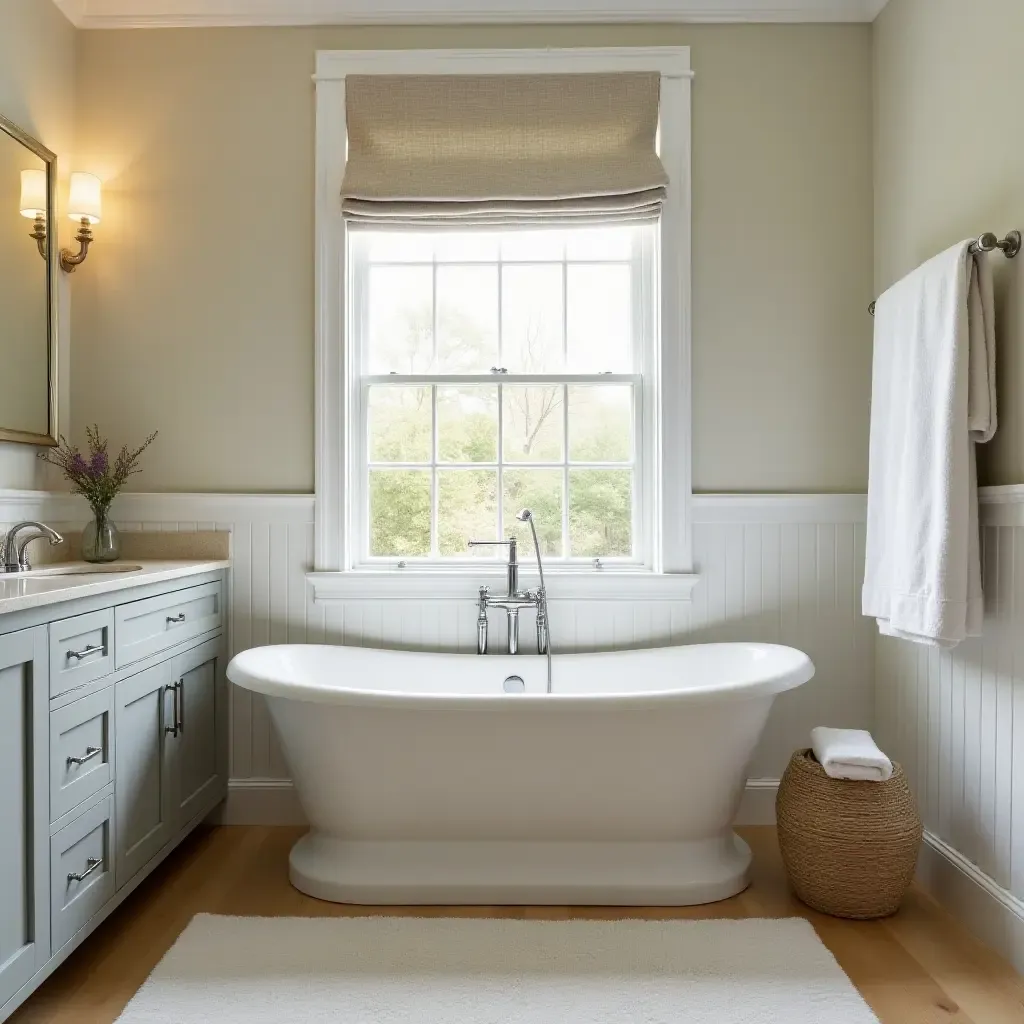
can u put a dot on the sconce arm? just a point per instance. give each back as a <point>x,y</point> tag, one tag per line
<point>38,232</point>
<point>68,259</point>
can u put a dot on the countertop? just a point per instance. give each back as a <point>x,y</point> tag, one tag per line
<point>23,591</point>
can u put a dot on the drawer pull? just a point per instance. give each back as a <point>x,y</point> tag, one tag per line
<point>86,651</point>
<point>180,617</point>
<point>90,753</point>
<point>90,866</point>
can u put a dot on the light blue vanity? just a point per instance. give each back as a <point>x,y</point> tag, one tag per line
<point>113,746</point>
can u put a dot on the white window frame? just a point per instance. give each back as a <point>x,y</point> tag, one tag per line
<point>669,556</point>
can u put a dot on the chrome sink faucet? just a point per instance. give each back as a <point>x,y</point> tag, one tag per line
<point>14,555</point>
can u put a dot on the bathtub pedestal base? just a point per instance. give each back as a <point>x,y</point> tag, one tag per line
<point>532,873</point>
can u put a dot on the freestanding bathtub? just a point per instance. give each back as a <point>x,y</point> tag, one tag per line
<point>438,779</point>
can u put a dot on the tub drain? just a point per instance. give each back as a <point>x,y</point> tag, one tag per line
<point>514,684</point>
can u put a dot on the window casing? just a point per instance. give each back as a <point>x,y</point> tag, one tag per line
<point>342,567</point>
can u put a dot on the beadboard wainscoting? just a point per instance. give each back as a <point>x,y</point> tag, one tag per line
<point>955,720</point>
<point>781,568</point>
<point>776,568</point>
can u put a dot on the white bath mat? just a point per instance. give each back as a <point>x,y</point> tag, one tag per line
<point>377,970</point>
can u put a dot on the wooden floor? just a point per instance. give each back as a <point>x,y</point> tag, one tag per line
<point>919,967</point>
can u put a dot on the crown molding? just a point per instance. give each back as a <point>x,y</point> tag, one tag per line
<point>112,14</point>
<point>73,10</point>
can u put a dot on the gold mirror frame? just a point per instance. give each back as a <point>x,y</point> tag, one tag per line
<point>52,255</point>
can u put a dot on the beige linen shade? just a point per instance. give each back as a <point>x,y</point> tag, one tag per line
<point>493,149</point>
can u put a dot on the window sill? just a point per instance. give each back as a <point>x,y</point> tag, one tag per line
<point>440,585</point>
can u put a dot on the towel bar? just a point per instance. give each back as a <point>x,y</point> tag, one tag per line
<point>988,242</point>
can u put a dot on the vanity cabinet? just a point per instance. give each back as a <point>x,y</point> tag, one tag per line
<point>113,746</point>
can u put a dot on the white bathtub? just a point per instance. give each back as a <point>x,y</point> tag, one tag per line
<point>425,782</point>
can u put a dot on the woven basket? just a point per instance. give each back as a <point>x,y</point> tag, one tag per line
<point>850,848</point>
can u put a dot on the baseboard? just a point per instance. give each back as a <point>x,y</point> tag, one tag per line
<point>274,802</point>
<point>261,802</point>
<point>975,899</point>
<point>758,804</point>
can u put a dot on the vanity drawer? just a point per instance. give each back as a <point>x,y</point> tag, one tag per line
<point>81,750</point>
<point>81,870</point>
<point>147,627</point>
<point>81,650</point>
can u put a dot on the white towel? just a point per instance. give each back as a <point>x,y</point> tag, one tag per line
<point>850,754</point>
<point>932,398</point>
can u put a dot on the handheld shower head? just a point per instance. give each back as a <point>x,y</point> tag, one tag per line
<point>524,515</point>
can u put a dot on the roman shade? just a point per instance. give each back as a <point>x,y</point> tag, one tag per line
<point>495,149</point>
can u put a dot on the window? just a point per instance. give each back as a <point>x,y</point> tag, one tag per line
<point>496,370</point>
<point>502,319</point>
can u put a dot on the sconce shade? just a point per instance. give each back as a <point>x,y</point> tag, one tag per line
<point>84,203</point>
<point>33,194</point>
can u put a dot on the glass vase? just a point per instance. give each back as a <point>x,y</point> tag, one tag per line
<point>100,540</point>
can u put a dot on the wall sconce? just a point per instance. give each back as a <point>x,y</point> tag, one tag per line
<point>84,207</point>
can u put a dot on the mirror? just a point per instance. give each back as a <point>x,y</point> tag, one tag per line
<point>28,397</point>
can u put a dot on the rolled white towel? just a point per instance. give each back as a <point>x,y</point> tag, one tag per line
<point>850,754</point>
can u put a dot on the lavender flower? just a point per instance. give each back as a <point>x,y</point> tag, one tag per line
<point>93,478</point>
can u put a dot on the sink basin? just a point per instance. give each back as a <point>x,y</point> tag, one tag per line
<point>82,569</point>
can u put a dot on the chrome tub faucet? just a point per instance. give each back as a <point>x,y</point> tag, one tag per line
<point>515,600</point>
<point>513,560</point>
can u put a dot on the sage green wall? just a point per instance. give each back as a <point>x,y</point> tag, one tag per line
<point>949,163</point>
<point>195,313</point>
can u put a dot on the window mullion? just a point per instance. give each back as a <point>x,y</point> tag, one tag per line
<point>565,471</point>
<point>501,307</point>
<point>501,395</point>
<point>434,550</point>
<point>565,310</point>
<point>433,314</point>
<point>501,463</point>
<point>565,402</point>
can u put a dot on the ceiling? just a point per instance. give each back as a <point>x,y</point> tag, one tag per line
<point>200,13</point>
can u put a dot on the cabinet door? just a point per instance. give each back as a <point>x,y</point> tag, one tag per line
<point>144,715</point>
<point>198,764</point>
<point>24,808</point>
